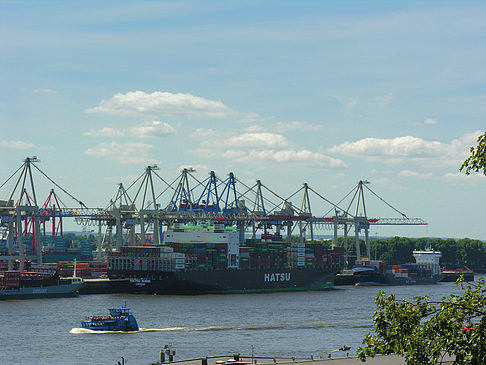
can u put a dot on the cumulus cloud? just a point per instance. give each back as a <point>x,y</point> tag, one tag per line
<point>264,140</point>
<point>430,121</point>
<point>297,126</point>
<point>152,129</point>
<point>160,103</point>
<point>123,153</point>
<point>234,154</point>
<point>398,147</point>
<point>285,156</point>
<point>249,140</point>
<point>409,149</point>
<point>258,148</point>
<point>144,130</point>
<point>16,145</point>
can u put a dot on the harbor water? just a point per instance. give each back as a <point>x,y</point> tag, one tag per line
<point>291,324</point>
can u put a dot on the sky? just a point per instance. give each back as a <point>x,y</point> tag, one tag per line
<point>326,93</point>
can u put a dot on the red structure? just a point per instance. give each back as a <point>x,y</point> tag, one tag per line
<point>50,211</point>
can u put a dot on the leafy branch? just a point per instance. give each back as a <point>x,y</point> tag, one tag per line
<point>424,331</point>
<point>477,160</point>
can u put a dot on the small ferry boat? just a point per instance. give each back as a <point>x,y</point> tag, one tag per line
<point>119,319</point>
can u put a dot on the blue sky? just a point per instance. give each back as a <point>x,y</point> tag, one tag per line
<point>323,92</point>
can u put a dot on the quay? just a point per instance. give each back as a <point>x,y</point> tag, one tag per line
<point>330,359</point>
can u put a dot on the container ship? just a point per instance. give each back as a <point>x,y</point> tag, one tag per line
<point>210,259</point>
<point>425,270</point>
<point>37,284</point>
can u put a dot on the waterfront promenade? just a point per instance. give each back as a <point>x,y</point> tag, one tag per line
<point>334,359</point>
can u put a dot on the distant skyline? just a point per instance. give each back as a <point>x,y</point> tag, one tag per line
<point>322,92</point>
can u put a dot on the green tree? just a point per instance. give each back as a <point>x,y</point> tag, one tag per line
<point>424,331</point>
<point>477,160</point>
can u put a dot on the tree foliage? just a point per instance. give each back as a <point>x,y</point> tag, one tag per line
<point>477,160</point>
<point>424,331</point>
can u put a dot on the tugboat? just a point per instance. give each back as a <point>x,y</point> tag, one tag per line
<point>119,319</point>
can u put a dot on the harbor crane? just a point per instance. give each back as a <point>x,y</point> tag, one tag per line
<point>153,203</point>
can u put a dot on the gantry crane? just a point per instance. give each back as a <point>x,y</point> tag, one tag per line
<point>212,199</point>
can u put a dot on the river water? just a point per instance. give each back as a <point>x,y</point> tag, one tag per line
<point>300,324</point>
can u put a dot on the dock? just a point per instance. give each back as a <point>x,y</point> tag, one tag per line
<point>330,359</point>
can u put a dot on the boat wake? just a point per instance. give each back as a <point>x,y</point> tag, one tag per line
<point>273,327</point>
<point>88,331</point>
<point>266,327</point>
<point>224,328</point>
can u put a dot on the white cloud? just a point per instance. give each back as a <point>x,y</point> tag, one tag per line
<point>398,147</point>
<point>409,149</point>
<point>105,132</point>
<point>430,121</point>
<point>160,103</point>
<point>469,139</point>
<point>254,129</point>
<point>123,153</point>
<point>297,126</point>
<point>285,156</point>
<point>264,140</point>
<point>152,129</point>
<point>234,154</point>
<point>16,145</point>
<point>255,140</point>
<point>144,130</point>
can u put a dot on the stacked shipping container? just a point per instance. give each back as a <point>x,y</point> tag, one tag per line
<point>214,256</point>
